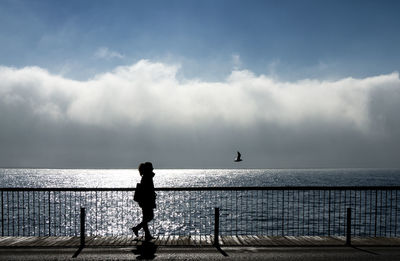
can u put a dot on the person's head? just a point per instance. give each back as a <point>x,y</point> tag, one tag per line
<point>145,168</point>
<point>141,169</point>
<point>148,167</point>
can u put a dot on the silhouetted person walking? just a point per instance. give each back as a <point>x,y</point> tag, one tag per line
<point>146,197</point>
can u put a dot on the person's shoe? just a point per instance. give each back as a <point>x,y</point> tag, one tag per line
<point>148,238</point>
<point>135,231</point>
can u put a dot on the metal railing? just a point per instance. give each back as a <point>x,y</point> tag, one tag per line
<point>318,211</point>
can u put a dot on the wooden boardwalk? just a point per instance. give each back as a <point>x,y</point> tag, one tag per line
<point>196,241</point>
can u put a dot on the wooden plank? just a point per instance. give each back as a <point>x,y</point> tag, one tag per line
<point>140,240</point>
<point>220,241</point>
<point>185,240</point>
<point>394,241</point>
<point>236,241</point>
<point>361,241</point>
<point>253,240</point>
<point>125,241</point>
<point>120,240</point>
<point>47,241</point>
<point>203,240</point>
<point>92,241</point>
<point>196,240</point>
<point>56,241</point>
<point>157,240</point>
<point>134,241</point>
<point>110,240</point>
<point>372,241</point>
<point>304,241</point>
<point>191,240</point>
<point>72,241</point>
<point>180,241</point>
<point>340,239</point>
<point>249,239</point>
<point>289,241</point>
<point>227,240</point>
<point>283,241</point>
<point>69,241</point>
<point>199,240</point>
<point>6,241</point>
<point>3,240</point>
<point>256,240</point>
<point>161,240</point>
<point>31,241</point>
<point>327,241</point>
<point>59,241</point>
<point>15,241</point>
<point>131,241</point>
<point>173,239</point>
<point>117,241</point>
<point>268,241</point>
<point>336,241</point>
<point>168,240</point>
<point>101,241</point>
<point>88,238</point>
<point>208,240</point>
<point>307,241</point>
<point>243,240</point>
<point>39,242</point>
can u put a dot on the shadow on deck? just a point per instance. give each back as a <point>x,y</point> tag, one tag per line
<point>196,241</point>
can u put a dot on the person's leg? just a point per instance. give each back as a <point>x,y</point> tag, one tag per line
<point>147,217</point>
<point>140,225</point>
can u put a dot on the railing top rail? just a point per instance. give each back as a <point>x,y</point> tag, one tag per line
<point>213,188</point>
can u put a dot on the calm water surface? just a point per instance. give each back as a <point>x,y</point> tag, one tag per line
<point>198,177</point>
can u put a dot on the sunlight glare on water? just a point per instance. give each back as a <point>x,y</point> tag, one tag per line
<point>112,212</point>
<point>126,178</point>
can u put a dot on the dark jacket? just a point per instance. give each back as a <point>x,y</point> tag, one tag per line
<point>149,195</point>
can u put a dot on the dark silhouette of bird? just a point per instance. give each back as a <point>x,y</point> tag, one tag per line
<point>238,159</point>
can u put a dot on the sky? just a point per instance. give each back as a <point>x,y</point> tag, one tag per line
<point>186,84</point>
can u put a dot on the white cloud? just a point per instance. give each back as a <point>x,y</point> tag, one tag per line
<point>327,121</point>
<point>150,92</point>
<point>105,53</point>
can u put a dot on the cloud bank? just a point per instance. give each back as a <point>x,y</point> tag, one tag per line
<point>144,112</point>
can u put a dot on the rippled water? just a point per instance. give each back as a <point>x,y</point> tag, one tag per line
<point>191,212</point>
<point>116,178</point>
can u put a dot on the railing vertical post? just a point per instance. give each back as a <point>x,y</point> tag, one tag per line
<point>376,210</point>
<point>83,214</point>
<point>49,214</point>
<point>329,213</point>
<point>216,227</point>
<point>348,230</point>
<point>283,212</point>
<point>2,213</point>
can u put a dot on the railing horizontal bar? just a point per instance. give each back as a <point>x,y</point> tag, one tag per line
<point>286,210</point>
<point>214,188</point>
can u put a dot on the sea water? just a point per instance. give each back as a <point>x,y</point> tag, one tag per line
<point>117,178</point>
<point>270,212</point>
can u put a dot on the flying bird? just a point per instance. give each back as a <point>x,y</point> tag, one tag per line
<point>238,157</point>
